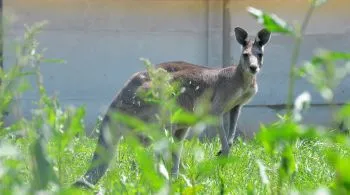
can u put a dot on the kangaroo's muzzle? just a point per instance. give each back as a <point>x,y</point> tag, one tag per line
<point>253,69</point>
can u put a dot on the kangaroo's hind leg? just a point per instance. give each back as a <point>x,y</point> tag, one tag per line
<point>179,136</point>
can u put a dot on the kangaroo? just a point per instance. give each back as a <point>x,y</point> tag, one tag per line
<point>232,87</point>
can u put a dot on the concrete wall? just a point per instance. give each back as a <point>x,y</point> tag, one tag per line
<point>102,42</point>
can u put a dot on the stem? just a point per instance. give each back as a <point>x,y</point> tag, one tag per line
<point>59,162</point>
<point>295,55</point>
<point>291,84</point>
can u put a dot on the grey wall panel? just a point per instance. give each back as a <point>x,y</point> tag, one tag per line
<point>111,15</point>
<point>253,116</point>
<point>99,63</point>
<point>102,45</point>
<point>24,108</point>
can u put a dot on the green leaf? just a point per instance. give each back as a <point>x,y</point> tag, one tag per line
<point>130,121</point>
<point>250,189</point>
<point>193,189</point>
<point>274,135</point>
<point>146,165</point>
<point>288,165</point>
<point>271,21</point>
<point>333,55</point>
<point>183,117</point>
<point>342,170</point>
<point>23,86</point>
<point>344,111</point>
<point>75,127</point>
<point>323,56</point>
<point>54,61</point>
<point>324,73</point>
<point>318,3</point>
<point>42,169</point>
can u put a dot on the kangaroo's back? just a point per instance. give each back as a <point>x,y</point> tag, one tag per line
<point>175,66</point>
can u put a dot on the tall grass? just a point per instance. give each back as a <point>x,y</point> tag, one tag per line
<point>49,151</point>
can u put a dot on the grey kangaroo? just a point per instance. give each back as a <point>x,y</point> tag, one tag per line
<point>232,87</point>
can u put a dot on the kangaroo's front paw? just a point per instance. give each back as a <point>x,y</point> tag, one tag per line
<point>219,153</point>
<point>81,183</point>
<point>174,175</point>
<point>222,153</point>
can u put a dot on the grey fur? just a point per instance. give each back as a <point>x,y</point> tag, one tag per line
<point>231,87</point>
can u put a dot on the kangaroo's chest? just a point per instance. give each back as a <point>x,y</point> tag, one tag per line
<point>246,95</point>
<point>241,97</point>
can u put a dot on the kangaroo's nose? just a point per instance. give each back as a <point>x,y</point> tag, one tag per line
<point>253,69</point>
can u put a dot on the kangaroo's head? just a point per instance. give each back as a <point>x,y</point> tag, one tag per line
<point>252,51</point>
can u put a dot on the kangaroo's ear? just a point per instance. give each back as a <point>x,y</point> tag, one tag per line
<point>241,36</point>
<point>263,37</point>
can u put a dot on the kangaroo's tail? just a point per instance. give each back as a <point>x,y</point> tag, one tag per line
<point>101,159</point>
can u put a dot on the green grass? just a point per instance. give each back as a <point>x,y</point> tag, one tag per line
<point>201,171</point>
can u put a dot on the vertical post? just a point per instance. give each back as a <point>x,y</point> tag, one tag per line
<point>226,35</point>
<point>1,36</point>
<point>226,49</point>
<point>1,45</point>
<point>214,43</point>
<point>215,29</point>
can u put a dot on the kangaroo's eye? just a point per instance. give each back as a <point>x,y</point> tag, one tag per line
<point>245,55</point>
<point>260,55</point>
